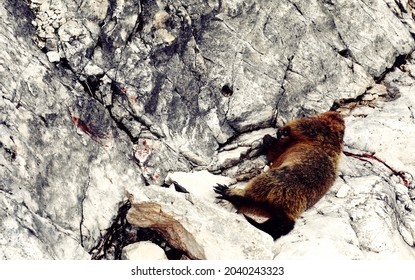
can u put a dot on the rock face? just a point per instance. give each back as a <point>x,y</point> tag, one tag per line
<point>104,98</point>
<point>198,228</point>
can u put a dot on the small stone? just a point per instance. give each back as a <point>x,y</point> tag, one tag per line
<point>343,191</point>
<point>53,56</point>
<point>44,7</point>
<point>62,20</point>
<point>41,33</point>
<point>143,251</point>
<point>165,36</point>
<point>93,70</point>
<point>40,43</point>
<point>50,13</point>
<point>378,89</point>
<point>368,97</point>
<point>38,22</point>
<point>39,2</point>
<point>50,31</point>
<point>56,24</point>
<point>160,19</point>
<point>51,44</point>
<point>43,17</point>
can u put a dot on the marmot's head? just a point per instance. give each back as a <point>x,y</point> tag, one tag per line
<point>325,129</point>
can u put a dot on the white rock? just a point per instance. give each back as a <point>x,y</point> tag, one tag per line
<point>201,228</point>
<point>368,97</point>
<point>51,44</point>
<point>92,69</point>
<point>44,7</point>
<point>41,33</point>
<point>343,191</point>
<point>378,89</point>
<point>53,56</point>
<point>70,29</point>
<point>144,250</point>
<point>56,24</point>
<point>42,16</point>
<point>231,157</point>
<point>50,31</point>
<point>50,13</point>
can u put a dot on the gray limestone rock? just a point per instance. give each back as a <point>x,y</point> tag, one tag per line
<point>100,97</point>
<point>202,230</point>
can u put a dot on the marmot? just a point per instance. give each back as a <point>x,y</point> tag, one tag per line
<point>303,166</point>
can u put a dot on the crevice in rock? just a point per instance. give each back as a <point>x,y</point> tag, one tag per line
<point>83,197</point>
<point>11,154</point>
<point>200,25</point>
<point>399,61</point>
<point>412,113</point>
<point>346,53</point>
<point>151,106</point>
<point>296,8</point>
<point>118,90</point>
<point>121,233</point>
<point>121,126</point>
<point>139,24</point>
<point>346,102</point>
<point>227,90</point>
<point>282,94</point>
<point>91,85</point>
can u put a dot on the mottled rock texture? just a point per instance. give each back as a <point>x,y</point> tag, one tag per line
<point>101,97</point>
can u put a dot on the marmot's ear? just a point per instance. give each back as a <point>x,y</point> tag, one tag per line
<point>283,132</point>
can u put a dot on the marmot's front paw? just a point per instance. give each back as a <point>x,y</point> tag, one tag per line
<point>222,191</point>
<point>268,141</point>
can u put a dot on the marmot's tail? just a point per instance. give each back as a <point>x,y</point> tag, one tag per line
<point>276,226</point>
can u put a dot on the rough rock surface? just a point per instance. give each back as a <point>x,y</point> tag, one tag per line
<point>143,251</point>
<point>103,97</point>
<point>198,228</point>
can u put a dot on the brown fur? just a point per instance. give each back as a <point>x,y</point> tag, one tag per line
<point>303,166</point>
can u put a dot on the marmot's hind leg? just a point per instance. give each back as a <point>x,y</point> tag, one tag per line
<point>276,226</point>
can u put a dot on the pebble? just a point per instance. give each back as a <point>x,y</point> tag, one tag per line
<point>44,7</point>
<point>56,24</point>
<point>52,44</point>
<point>43,17</point>
<point>92,70</point>
<point>41,33</point>
<point>50,13</point>
<point>368,97</point>
<point>53,56</point>
<point>49,29</point>
<point>144,250</point>
<point>343,191</point>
